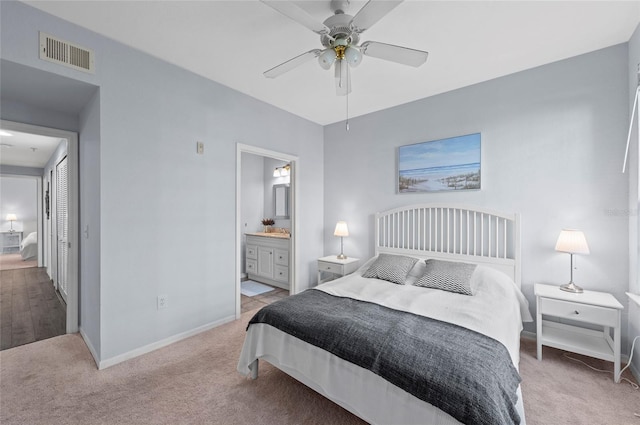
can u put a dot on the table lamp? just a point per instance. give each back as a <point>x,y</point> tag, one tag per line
<point>11,218</point>
<point>572,242</point>
<point>341,230</point>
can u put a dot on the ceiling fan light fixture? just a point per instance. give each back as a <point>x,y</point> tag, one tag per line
<point>353,56</point>
<point>327,58</point>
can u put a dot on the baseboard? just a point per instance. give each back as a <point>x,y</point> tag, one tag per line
<point>528,335</point>
<point>89,345</point>
<point>103,364</point>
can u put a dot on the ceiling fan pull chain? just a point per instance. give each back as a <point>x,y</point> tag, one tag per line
<point>347,96</point>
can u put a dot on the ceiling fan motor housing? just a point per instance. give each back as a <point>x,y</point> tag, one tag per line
<point>339,25</point>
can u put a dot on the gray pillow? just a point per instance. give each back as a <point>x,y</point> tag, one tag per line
<point>448,276</point>
<point>393,268</point>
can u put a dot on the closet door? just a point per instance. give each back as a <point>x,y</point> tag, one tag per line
<point>62,225</point>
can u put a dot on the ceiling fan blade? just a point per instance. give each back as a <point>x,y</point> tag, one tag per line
<point>371,13</point>
<point>292,63</point>
<point>294,12</point>
<point>390,52</point>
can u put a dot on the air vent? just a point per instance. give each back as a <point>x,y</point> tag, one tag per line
<point>55,50</point>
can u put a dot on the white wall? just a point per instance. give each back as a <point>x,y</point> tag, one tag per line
<point>252,197</point>
<point>19,196</point>
<point>89,171</point>
<point>634,202</point>
<point>151,114</point>
<point>552,144</point>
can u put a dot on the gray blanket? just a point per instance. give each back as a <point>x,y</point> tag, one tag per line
<point>464,373</point>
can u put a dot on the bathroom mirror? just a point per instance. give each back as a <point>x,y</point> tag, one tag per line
<point>281,201</point>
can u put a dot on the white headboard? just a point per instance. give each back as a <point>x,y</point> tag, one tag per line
<point>452,232</point>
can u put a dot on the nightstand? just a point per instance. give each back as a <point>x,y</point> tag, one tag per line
<point>597,308</point>
<point>10,242</point>
<point>331,264</point>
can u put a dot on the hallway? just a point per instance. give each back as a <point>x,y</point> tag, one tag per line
<point>30,308</point>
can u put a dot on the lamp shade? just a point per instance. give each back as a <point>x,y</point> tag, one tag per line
<point>341,229</point>
<point>276,172</point>
<point>572,241</point>
<point>11,217</point>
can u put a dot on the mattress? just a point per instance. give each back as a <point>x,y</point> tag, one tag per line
<point>497,310</point>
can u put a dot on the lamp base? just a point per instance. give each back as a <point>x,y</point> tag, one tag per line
<point>341,257</point>
<point>572,287</point>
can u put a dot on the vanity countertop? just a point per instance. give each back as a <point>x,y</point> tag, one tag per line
<point>271,235</point>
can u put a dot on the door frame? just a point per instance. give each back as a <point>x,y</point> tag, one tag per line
<point>73,210</point>
<point>293,184</point>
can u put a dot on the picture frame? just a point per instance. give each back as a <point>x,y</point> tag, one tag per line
<point>451,164</point>
<point>46,201</point>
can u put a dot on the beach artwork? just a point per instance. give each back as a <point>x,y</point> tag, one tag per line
<point>440,165</point>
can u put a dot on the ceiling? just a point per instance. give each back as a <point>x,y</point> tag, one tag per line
<point>26,150</point>
<point>233,42</point>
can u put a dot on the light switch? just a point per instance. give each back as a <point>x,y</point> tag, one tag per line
<point>200,148</point>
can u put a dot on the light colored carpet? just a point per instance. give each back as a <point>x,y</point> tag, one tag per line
<point>14,261</point>
<point>251,288</point>
<point>195,382</point>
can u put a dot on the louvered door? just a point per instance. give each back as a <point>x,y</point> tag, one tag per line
<point>62,225</point>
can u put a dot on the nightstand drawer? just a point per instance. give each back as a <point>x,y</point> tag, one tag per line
<point>330,267</point>
<point>580,312</point>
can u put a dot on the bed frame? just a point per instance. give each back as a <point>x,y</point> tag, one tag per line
<point>456,233</point>
<point>448,232</point>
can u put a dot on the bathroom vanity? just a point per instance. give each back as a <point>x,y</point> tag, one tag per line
<point>267,258</point>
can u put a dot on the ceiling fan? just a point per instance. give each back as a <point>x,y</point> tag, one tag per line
<point>340,35</point>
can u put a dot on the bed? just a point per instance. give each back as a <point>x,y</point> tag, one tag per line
<point>427,331</point>
<point>29,247</point>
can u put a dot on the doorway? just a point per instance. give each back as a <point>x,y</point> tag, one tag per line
<point>284,263</point>
<point>60,253</point>
<point>19,216</point>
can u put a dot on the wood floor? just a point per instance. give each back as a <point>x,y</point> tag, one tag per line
<point>30,308</point>
<point>257,301</point>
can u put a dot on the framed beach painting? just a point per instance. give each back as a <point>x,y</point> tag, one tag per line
<point>440,165</point>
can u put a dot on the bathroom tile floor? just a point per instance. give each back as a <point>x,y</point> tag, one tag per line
<point>258,301</point>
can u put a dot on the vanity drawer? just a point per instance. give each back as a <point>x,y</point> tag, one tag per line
<point>252,266</point>
<point>252,252</point>
<point>281,273</point>
<point>282,257</point>
<point>580,312</point>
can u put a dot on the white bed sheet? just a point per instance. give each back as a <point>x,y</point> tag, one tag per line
<point>29,247</point>
<point>496,309</point>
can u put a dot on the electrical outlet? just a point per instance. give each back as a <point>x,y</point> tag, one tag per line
<point>200,148</point>
<point>163,301</point>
